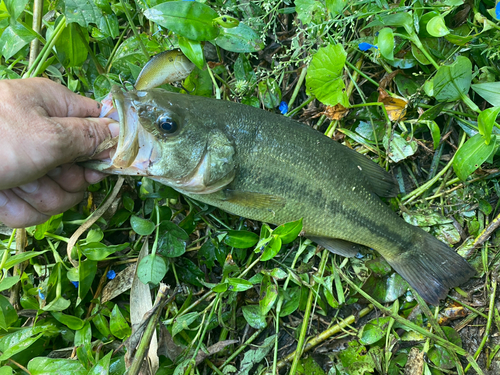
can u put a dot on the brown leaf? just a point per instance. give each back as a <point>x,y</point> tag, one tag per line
<point>121,283</point>
<point>336,112</point>
<point>215,348</point>
<point>394,105</point>
<point>415,363</point>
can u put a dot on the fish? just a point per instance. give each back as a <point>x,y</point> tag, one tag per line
<point>270,168</point>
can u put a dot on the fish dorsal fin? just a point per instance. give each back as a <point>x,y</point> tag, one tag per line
<point>254,200</point>
<point>380,182</point>
<point>337,246</point>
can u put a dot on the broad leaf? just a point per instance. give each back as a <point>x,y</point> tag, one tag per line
<point>324,76</point>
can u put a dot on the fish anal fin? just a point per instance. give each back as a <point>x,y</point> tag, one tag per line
<point>337,246</point>
<point>254,200</point>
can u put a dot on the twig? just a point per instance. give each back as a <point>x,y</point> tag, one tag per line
<point>93,218</point>
<point>326,335</point>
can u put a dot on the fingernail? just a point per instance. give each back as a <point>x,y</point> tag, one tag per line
<point>3,199</point>
<point>30,187</point>
<point>114,128</point>
<point>54,172</point>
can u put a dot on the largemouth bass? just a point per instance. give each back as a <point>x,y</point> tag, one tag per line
<point>270,168</point>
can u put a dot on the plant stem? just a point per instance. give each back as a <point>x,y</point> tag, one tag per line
<point>134,29</point>
<point>37,22</point>
<point>37,66</point>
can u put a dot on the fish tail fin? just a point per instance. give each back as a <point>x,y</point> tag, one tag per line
<point>431,267</point>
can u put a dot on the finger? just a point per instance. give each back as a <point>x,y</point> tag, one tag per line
<point>47,197</point>
<point>73,178</point>
<point>70,177</point>
<point>59,101</point>
<point>93,177</point>
<point>17,213</point>
<point>77,137</point>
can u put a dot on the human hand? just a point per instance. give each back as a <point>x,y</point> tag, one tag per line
<point>45,127</point>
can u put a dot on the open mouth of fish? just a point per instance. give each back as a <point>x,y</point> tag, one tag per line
<point>135,148</point>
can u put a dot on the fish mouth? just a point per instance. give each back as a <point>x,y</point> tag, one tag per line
<point>135,149</point>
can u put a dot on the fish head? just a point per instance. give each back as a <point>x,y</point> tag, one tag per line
<point>164,136</point>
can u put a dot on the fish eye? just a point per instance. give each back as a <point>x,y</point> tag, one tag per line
<point>167,125</point>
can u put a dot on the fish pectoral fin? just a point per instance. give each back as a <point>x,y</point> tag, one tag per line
<point>253,200</point>
<point>337,246</point>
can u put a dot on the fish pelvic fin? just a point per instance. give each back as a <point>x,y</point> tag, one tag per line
<point>431,267</point>
<point>337,246</point>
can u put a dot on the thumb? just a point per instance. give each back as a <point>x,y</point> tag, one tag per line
<point>82,136</point>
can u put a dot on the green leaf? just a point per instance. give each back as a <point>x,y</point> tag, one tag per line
<point>172,240</point>
<point>471,155</point>
<point>268,295</point>
<point>254,316</point>
<point>190,273</point>
<point>399,148</point>
<point>374,330</point>
<point>193,51</point>
<point>490,92</point>
<point>238,285</point>
<point>335,6</point>
<point>8,282</point>
<point>15,8</point>
<point>152,269</point>
<point>385,43</point>
<point>189,19</point>
<point>289,231</point>
<point>103,366</point>
<point>86,273</point>
<point>272,248</point>
<point>324,76</point>
<point>328,291</point>
<point>6,370</point>
<point>435,132</point>
<point>291,301</point>
<point>485,122</point>
<point>143,227</point>
<point>440,356</point>
<point>19,346</point>
<point>241,239</point>
<point>240,39</point>
<point>48,366</point>
<point>269,93</point>
<point>451,81</point>
<point>83,12</point>
<point>227,21</point>
<point>436,27</point>
<point>70,321</point>
<point>108,27</point>
<point>57,304</point>
<point>101,324</point>
<point>182,322</point>
<point>118,325</point>
<point>49,226</point>
<point>22,257</point>
<point>98,251</point>
<point>83,336</point>
<point>309,10</point>
<point>14,38</point>
<point>8,314</point>
<point>70,47</point>
<point>400,19</point>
